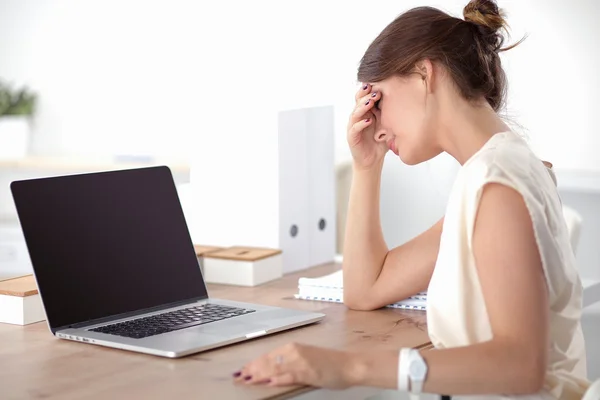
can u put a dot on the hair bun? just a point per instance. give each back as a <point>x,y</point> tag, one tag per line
<point>485,13</point>
<point>488,18</point>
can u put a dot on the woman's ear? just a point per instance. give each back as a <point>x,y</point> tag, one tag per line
<point>426,70</point>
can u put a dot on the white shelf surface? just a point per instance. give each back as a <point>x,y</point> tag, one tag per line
<point>77,164</point>
<point>591,292</point>
<point>578,181</point>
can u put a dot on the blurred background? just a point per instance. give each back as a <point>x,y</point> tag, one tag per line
<point>198,85</point>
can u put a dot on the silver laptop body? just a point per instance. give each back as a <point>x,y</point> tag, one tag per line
<point>115,266</point>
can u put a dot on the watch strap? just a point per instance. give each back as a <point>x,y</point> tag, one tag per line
<point>416,386</point>
<point>403,363</point>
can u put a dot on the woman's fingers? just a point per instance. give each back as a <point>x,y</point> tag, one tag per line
<point>260,370</point>
<point>285,379</point>
<point>364,90</point>
<point>363,95</point>
<point>364,105</point>
<point>356,129</point>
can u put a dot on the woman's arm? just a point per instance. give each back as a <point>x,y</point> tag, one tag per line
<point>515,292</point>
<point>374,276</point>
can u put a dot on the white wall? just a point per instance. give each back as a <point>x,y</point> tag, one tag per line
<point>134,76</point>
<point>206,78</point>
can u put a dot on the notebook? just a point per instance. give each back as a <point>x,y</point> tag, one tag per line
<point>330,288</point>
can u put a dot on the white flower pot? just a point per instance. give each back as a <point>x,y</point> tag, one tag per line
<point>14,137</point>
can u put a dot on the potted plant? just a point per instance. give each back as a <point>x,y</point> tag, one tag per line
<point>16,112</point>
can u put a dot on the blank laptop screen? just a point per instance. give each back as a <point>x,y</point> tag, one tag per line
<point>107,243</point>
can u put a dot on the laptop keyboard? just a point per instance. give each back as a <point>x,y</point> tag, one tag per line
<point>172,321</point>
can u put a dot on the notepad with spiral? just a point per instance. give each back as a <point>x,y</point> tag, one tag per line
<point>330,288</point>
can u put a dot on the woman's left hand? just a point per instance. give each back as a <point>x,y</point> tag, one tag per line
<point>297,364</point>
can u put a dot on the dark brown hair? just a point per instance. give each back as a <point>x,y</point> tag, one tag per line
<point>467,48</point>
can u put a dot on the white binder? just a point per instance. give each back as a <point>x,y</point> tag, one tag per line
<point>294,211</point>
<point>306,187</point>
<point>321,185</point>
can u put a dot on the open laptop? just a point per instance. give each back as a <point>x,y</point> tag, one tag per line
<point>115,266</point>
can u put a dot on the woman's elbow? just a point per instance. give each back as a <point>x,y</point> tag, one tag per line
<point>532,382</point>
<point>531,374</point>
<point>537,379</point>
<point>359,303</point>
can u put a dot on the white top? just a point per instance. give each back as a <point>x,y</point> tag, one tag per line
<point>456,312</point>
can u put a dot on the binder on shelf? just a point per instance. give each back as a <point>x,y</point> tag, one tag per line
<point>321,185</point>
<point>307,217</point>
<point>294,233</point>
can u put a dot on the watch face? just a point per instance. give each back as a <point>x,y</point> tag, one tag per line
<point>417,370</point>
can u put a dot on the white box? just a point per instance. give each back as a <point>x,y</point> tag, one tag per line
<point>242,266</point>
<point>201,251</point>
<point>20,302</point>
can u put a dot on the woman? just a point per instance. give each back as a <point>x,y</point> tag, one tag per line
<point>504,297</point>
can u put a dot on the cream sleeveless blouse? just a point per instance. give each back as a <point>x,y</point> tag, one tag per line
<point>456,312</point>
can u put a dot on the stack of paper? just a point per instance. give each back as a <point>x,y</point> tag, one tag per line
<point>330,288</point>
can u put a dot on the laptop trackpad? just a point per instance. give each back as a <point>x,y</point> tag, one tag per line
<point>234,328</point>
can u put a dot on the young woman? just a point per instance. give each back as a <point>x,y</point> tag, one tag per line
<point>504,297</point>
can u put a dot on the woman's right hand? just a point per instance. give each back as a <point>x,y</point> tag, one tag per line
<point>367,151</point>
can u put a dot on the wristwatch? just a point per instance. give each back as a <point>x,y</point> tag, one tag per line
<point>417,371</point>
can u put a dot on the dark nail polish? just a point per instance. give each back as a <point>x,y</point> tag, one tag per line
<point>248,377</point>
<point>236,374</point>
<point>365,87</point>
<point>374,94</point>
<point>367,103</point>
<point>368,120</point>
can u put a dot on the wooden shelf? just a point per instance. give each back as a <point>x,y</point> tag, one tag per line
<point>77,164</point>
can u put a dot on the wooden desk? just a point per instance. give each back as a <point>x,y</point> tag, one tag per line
<point>34,364</point>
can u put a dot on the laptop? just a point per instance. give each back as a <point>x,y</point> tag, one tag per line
<point>115,266</point>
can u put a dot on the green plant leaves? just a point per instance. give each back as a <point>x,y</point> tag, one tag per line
<point>16,102</point>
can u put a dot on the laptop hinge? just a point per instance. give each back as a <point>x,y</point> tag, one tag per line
<point>129,314</point>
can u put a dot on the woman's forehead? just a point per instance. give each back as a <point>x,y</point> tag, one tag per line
<point>389,85</point>
<point>385,84</point>
<point>377,86</point>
